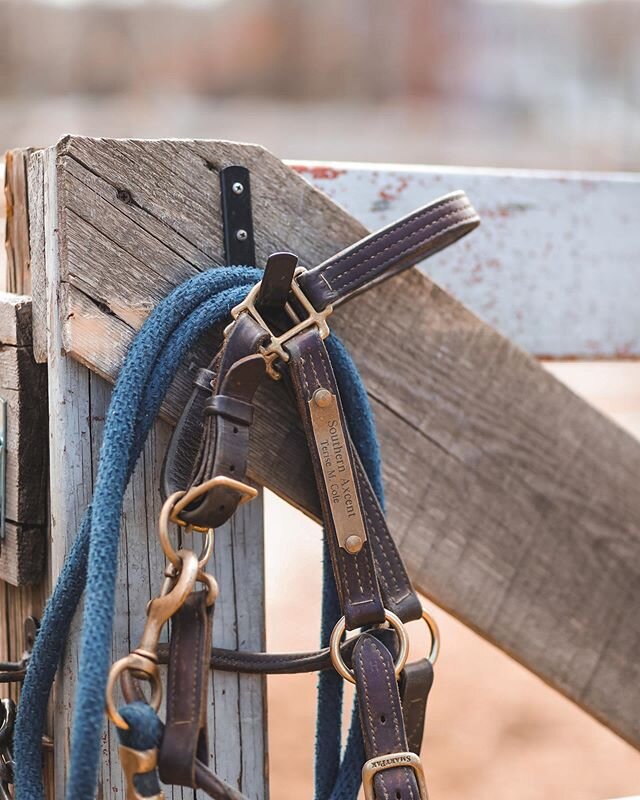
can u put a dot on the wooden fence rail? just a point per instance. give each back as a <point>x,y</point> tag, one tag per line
<point>514,503</point>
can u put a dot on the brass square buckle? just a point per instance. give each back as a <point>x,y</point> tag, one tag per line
<point>380,763</point>
<point>274,349</point>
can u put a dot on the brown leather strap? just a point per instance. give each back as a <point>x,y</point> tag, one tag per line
<point>378,256</point>
<point>215,787</point>
<point>310,371</point>
<point>415,684</point>
<point>381,717</point>
<point>276,283</point>
<point>223,429</point>
<point>185,733</point>
<point>228,414</point>
<point>397,592</point>
<point>416,681</point>
<point>390,250</point>
<point>253,663</point>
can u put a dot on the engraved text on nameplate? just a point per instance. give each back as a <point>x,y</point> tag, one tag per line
<point>337,470</point>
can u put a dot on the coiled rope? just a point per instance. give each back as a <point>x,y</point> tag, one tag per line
<point>163,342</point>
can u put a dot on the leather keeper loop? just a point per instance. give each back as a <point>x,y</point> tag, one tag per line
<point>229,407</point>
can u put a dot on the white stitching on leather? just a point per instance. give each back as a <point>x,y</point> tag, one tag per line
<point>381,267</point>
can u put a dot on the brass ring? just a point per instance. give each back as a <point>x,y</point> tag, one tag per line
<point>434,630</point>
<point>136,664</point>
<point>211,585</point>
<point>186,498</point>
<point>166,515</point>
<point>336,639</point>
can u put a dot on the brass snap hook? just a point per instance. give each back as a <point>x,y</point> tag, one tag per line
<point>143,662</point>
<point>167,515</point>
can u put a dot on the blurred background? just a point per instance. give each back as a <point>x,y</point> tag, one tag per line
<point>500,82</point>
<point>512,83</point>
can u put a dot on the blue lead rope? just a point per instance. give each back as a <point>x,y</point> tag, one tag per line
<point>148,369</point>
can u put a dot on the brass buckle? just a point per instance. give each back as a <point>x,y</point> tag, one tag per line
<point>143,661</point>
<point>375,765</point>
<point>274,349</point>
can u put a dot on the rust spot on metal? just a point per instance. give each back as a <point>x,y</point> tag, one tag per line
<point>319,173</point>
<point>505,211</point>
<point>389,193</point>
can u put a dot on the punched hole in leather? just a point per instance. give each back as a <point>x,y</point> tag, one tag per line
<point>381,716</point>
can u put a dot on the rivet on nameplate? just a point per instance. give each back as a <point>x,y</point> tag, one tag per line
<point>322,397</point>
<point>335,461</point>
<point>353,544</point>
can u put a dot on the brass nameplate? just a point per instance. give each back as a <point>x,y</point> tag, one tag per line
<point>337,471</point>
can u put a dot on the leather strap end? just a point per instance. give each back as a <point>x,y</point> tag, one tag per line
<point>275,285</point>
<point>381,717</point>
<point>415,684</point>
<point>390,250</point>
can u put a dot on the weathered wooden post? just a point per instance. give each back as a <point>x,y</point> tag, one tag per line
<point>514,503</point>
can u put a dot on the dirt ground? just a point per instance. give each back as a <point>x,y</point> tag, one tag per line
<point>493,729</point>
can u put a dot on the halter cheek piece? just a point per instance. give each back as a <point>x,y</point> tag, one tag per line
<point>279,332</point>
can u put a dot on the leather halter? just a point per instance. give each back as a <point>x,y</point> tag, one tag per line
<point>279,331</point>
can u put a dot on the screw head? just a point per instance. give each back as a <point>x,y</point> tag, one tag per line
<point>125,196</point>
<point>237,188</point>
<point>353,544</point>
<point>241,235</point>
<point>322,397</point>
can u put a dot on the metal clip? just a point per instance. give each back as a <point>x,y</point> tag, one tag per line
<point>143,661</point>
<point>274,349</point>
<point>137,763</point>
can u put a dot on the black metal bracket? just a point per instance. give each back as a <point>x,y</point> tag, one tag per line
<point>237,217</point>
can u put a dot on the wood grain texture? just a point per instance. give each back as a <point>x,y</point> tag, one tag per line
<point>25,585</point>
<point>17,221</point>
<point>77,407</point>
<point>23,384</point>
<point>15,319</point>
<point>16,604</point>
<point>514,503</point>
<point>35,183</point>
<point>22,554</point>
<point>527,286</point>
